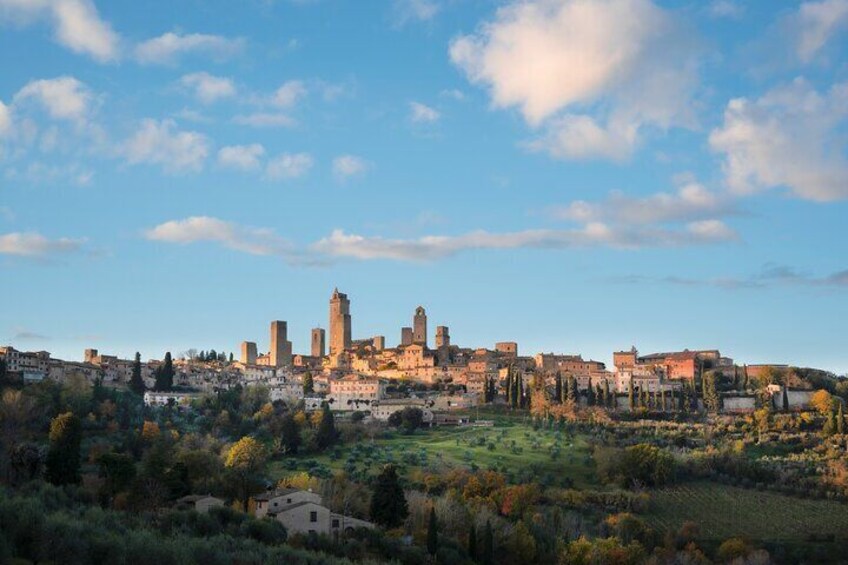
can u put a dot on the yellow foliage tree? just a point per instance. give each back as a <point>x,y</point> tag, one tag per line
<point>150,431</point>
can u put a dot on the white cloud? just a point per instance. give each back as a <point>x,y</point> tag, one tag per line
<point>453,93</point>
<point>160,143</point>
<point>288,166</point>
<point>5,119</point>
<point>32,244</point>
<point>790,137</point>
<point>255,241</point>
<point>289,94</point>
<point>264,120</point>
<point>725,9</point>
<point>691,201</point>
<point>595,72</point>
<point>340,244</point>
<point>169,47</point>
<point>76,24</point>
<point>241,157</point>
<point>423,113</point>
<point>816,23</point>
<point>208,88</point>
<point>415,10</point>
<point>64,97</point>
<point>346,166</point>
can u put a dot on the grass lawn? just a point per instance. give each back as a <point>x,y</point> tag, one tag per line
<point>510,447</point>
<point>725,511</point>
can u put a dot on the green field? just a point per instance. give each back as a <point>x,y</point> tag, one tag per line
<point>513,448</point>
<point>725,511</point>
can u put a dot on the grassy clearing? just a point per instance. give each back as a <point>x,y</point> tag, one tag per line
<point>513,448</point>
<point>725,511</point>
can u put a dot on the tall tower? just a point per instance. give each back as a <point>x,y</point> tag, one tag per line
<point>339,322</point>
<point>281,349</point>
<point>419,327</point>
<point>248,352</point>
<point>405,336</point>
<point>318,342</point>
<point>442,337</point>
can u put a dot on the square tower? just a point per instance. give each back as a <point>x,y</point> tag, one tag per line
<point>405,336</point>
<point>419,327</point>
<point>248,353</point>
<point>339,322</point>
<point>281,349</point>
<point>442,337</point>
<point>318,342</point>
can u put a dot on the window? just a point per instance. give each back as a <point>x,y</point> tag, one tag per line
<point>335,522</point>
<point>288,501</point>
<point>313,516</point>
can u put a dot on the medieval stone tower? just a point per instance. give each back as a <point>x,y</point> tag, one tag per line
<point>281,349</point>
<point>442,337</point>
<point>319,347</point>
<point>419,327</point>
<point>339,322</point>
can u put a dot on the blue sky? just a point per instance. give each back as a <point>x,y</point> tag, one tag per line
<point>577,175</point>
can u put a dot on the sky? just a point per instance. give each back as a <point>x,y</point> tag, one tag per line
<point>579,176</point>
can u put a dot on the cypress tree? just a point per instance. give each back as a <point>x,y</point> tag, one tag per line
<point>488,545</point>
<point>558,389</point>
<point>840,420</point>
<point>290,433</point>
<point>308,383</point>
<point>136,382</point>
<point>432,533</point>
<point>590,394</point>
<point>572,389</point>
<point>472,543</point>
<point>662,399</point>
<point>631,397</point>
<point>63,456</point>
<point>785,399</point>
<point>388,503</point>
<point>165,374</point>
<point>326,434</point>
<point>610,398</point>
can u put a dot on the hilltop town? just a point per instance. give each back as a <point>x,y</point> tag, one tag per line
<point>357,374</point>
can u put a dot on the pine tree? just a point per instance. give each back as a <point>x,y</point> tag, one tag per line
<point>488,545</point>
<point>326,434</point>
<point>472,543</point>
<point>62,466</point>
<point>432,533</point>
<point>388,502</point>
<point>136,382</point>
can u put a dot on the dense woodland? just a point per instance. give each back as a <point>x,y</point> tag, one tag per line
<point>91,475</point>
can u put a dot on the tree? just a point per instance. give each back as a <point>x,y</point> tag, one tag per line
<point>308,384</point>
<point>472,542</point>
<point>590,395</point>
<point>631,398</point>
<point>411,419</point>
<point>822,401</point>
<point>558,387</point>
<point>573,394</point>
<point>785,398</point>
<point>840,420</point>
<point>63,455</point>
<point>291,434</point>
<point>712,400</point>
<point>118,470</point>
<point>488,545</point>
<point>244,460</point>
<point>432,533</point>
<point>136,382</point>
<point>388,502</point>
<point>165,374</point>
<point>326,434</point>
<point>829,427</point>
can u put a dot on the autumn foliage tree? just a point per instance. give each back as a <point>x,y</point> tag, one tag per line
<point>245,460</point>
<point>63,456</point>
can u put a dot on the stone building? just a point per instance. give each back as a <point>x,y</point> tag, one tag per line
<point>507,348</point>
<point>405,336</point>
<point>442,337</point>
<point>319,348</point>
<point>248,353</point>
<point>419,327</point>
<point>340,336</point>
<point>281,349</point>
